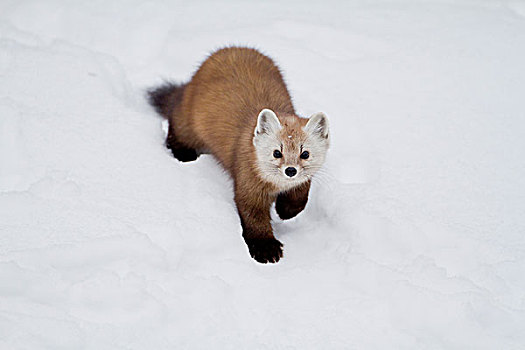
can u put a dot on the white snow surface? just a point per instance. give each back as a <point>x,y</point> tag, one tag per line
<point>413,237</point>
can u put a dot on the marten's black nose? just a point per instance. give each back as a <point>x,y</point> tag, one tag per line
<point>290,171</point>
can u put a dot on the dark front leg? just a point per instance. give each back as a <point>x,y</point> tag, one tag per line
<point>256,227</point>
<point>263,249</point>
<point>291,203</point>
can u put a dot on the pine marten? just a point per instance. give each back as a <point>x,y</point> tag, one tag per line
<point>237,107</point>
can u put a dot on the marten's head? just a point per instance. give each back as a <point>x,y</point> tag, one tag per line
<point>290,149</point>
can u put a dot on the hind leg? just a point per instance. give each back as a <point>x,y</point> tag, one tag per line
<point>179,150</point>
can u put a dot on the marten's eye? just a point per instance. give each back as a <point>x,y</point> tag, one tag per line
<point>277,154</point>
<point>305,155</point>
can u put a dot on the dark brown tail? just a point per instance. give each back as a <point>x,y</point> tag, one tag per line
<point>165,97</point>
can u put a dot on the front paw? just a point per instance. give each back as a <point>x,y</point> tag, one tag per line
<point>265,250</point>
<point>287,209</point>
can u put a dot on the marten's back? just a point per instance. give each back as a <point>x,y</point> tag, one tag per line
<point>224,97</point>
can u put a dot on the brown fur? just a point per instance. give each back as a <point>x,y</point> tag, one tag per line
<point>217,112</point>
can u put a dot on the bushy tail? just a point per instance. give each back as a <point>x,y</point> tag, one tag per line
<point>165,97</point>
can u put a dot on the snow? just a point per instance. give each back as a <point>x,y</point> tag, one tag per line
<point>413,235</point>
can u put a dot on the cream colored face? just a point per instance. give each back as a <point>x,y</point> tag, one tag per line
<point>288,153</point>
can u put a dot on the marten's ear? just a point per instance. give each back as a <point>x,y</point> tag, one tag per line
<point>267,123</point>
<point>317,125</point>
